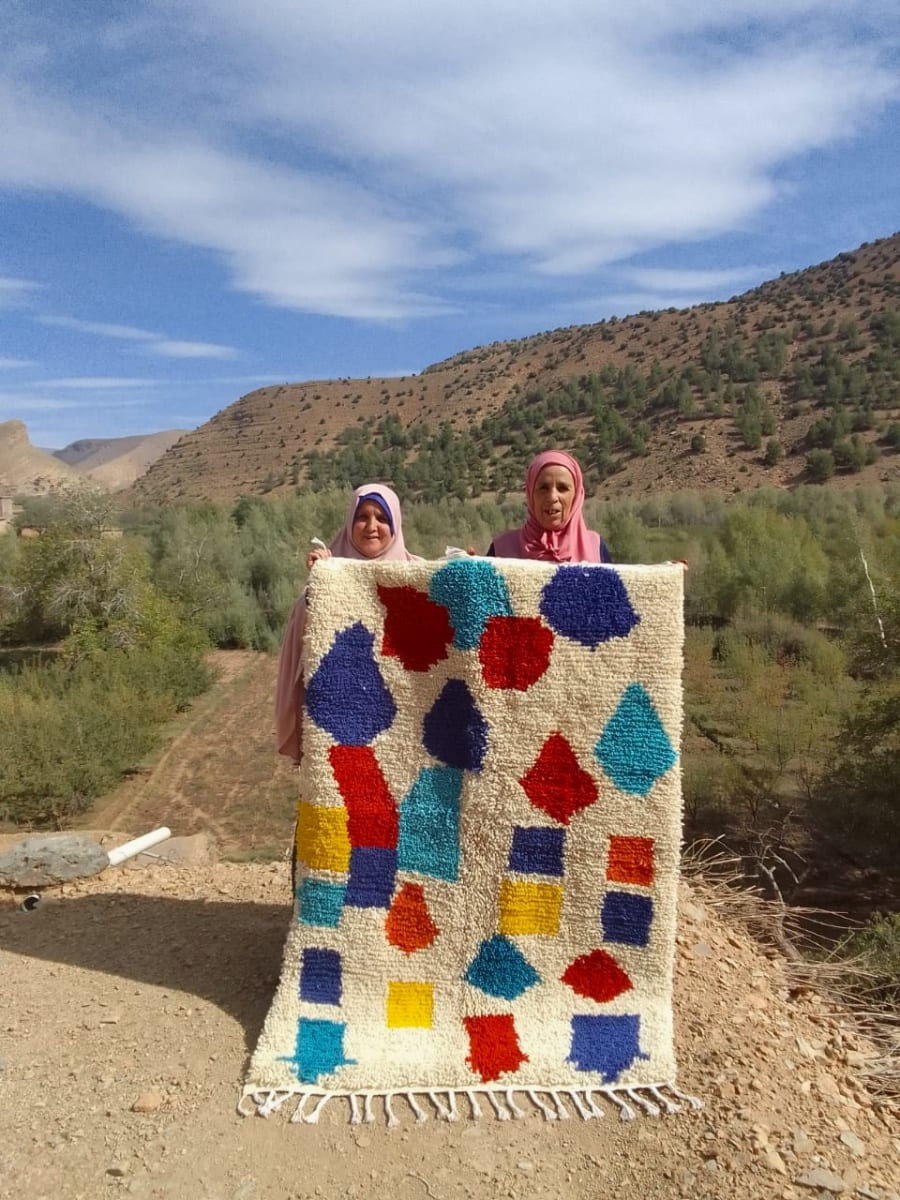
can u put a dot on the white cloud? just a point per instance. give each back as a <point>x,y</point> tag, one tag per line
<point>696,282</point>
<point>15,291</point>
<point>150,343</point>
<point>101,328</point>
<point>12,363</point>
<point>170,349</point>
<point>348,160</point>
<point>88,383</point>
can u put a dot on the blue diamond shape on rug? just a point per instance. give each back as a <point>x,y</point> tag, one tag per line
<point>346,695</point>
<point>454,731</point>
<point>471,591</point>
<point>588,605</point>
<point>501,969</point>
<point>634,749</point>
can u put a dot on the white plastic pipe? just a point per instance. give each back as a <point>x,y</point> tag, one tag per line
<point>137,846</point>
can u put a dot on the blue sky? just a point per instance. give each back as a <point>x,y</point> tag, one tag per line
<point>200,197</point>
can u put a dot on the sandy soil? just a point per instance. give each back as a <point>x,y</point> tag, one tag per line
<point>131,1003</point>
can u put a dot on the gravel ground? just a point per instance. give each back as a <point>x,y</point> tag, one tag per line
<point>131,1003</point>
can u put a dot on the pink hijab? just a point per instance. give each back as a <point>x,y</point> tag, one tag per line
<point>573,543</point>
<point>342,546</point>
<point>290,690</point>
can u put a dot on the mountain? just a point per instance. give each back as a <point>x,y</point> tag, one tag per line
<point>115,463</point>
<point>26,470</point>
<point>722,396</point>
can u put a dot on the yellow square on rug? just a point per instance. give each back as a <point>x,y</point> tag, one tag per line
<point>487,843</point>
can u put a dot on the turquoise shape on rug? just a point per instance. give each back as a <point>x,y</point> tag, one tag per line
<point>501,969</point>
<point>319,1049</point>
<point>472,591</point>
<point>634,749</point>
<point>429,824</point>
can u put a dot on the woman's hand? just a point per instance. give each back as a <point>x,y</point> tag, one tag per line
<point>315,555</point>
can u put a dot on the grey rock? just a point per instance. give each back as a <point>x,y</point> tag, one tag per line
<point>53,858</point>
<point>821,1178</point>
<point>853,1143</point>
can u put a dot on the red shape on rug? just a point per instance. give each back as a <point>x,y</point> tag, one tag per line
<point>556,784</point>
<point>493,1045</point>
<point>416,630</point>
<point>630,860</point>
<point>371,811</point>
<point>408,925</point>
<point>598,976</point>
<point>514,651</point>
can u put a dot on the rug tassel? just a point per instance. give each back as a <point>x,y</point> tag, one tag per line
<point>642,1102</point>
<point>561,1111</point>
<point>596,1110</point>
<point>421,1115</point>
<point>473,1104</point>
<point>693,1101</point>
<point>583,1111</point>
<point>297,1116</point>
<point>442,1111</point>
<point>626,1112</point>
<point>669,1106</point>
<point>272,1103</point>
<point>392,1121</point>
<point>517,1112</point>
<point>548,1112</point>
<point>452,1112</point>
<point>355,1118</point>
<point>368,1115</point>
<point>502,1113</point>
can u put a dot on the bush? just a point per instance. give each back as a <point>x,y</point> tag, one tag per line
<point>70,729</point>
<point>774,452</point>
<point>878,945</point>
<point>820,465</point>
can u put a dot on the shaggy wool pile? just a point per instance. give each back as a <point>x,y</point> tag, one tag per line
<point>487,842</point>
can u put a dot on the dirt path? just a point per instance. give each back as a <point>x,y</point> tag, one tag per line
<point>219,772</point>
<point>147,988</point>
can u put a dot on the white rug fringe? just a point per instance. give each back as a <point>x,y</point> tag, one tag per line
<point>630,1101</point>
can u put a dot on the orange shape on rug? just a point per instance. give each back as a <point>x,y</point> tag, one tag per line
<point>408,924</point>
<point>630,860</point>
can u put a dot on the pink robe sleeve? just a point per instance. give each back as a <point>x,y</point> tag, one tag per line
<point>289,690</point>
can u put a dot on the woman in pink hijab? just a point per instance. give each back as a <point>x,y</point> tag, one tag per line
<point>372,531</point>
<point>554,530</point>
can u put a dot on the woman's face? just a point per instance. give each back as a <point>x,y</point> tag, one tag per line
<point>371,532</point>
<point>553,496</point>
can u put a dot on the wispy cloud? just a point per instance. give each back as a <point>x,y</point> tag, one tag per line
<point>171,349</point>
<point>348,162</point>
<point>15,291</point>
<point>18,404</point>
<point>695,282</point>
<point>150,343</point>
<point>13,363</point>
<point>127,333</point>
<point>93,383</point>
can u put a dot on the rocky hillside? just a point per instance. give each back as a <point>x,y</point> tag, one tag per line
<point>722,396</point>
<point>24,469</point>
<point>115,463</point>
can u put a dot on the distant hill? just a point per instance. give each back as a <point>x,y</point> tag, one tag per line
<point>722,396</point>
<point>24,469</point>
<point>115,463</point>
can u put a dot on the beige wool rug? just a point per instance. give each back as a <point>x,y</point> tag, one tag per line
<point>487,843</point>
